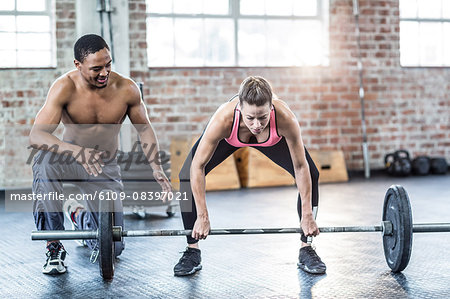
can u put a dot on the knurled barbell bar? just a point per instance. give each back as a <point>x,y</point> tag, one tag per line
<point>396,227</point>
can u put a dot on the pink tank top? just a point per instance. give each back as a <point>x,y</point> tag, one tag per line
<point>273,134</point>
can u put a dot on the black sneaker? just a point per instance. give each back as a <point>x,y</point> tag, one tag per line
<point>310,262</point>
<point>55,259</point>
<point>189,263</point>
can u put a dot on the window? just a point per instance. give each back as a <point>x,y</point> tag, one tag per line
<point>425,32</point>
<point>237,33</point>
<point>26,34</point>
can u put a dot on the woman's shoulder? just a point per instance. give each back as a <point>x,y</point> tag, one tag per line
<point>226,110</point>
<point>282,109</point>
<point>222,121</point>
<point>285,118</point>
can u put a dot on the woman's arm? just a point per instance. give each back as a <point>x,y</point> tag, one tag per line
<point>289,127</point>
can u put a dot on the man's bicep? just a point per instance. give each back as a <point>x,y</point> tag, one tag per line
<point>137,112</point>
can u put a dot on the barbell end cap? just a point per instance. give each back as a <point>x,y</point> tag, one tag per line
<point>387,229</point>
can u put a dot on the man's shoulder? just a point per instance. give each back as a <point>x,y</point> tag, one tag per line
<point>68,79</point>
<point>64,85</point>
<point>125,85</point>
<point>122,81</point>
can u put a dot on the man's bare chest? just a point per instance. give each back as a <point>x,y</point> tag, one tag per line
<point>84,110</point>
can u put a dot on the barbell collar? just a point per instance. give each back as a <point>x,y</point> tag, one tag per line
<point>117,233</point>
<point>387,228</point>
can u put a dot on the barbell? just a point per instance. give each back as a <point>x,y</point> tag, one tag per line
<point>396,227</point>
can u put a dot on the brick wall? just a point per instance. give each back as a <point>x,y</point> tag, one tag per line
<point>405,107</point>
<point>23,92</point>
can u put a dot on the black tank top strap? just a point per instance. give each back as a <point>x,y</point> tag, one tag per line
<point>233,97</point>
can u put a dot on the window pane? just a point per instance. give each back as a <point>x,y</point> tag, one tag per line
<point>8,58</point>
<point>34,58</point>
<point>219,42</point>
<point>216,7</point>
<point>31,5</point>
<point>280,47</point>
<point>160,47</point>
<point>446,42</point>
<point>279,7</point>
<point>159,6</point>
<point>188,42</point>
<point>409,43</point>
<point>305,8</point>
<point>7,5</point>
<point>430,43</point>
<point>408,8</point>
<point>7,41</point>
<point>308,43</point>
<point>429,8</point>
<point>187,7</point>
<point>252,7</point>
<point>446,9</point>
<point>7,23</point>
<point>200,41</point>
<point>252,42</point>
<point>34,41</point>
<point>33,23</point>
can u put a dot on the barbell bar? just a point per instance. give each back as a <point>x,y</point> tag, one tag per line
<point>80,234</point>
<point>396,228</point>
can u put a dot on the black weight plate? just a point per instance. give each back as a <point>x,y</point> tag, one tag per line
<point>105,239</point>
<point>397,209</point>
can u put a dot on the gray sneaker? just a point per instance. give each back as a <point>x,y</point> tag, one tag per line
<point>56,255</point>
<point>310,262</point>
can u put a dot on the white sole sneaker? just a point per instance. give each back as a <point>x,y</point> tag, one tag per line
<point>69,206</point>
<point>54,267</point>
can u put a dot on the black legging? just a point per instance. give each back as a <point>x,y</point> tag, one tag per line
<point>279,153</point>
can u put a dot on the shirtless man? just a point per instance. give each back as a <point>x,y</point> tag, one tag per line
<point>252,118</point>
<point>92,102</point>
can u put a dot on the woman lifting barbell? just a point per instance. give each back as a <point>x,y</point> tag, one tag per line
<point>255,118</point>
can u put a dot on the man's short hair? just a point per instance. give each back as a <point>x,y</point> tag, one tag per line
<point>88,44</point>
<point>255,90</point>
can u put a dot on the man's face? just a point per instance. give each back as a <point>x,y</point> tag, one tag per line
<point>96,68</point>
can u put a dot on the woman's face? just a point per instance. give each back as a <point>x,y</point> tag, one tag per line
<point>256,118</point>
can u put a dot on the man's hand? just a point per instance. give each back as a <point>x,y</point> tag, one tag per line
<point>91,160</point>
<point>162,180</point>
<point>309,226</point>
<point>201,228</point>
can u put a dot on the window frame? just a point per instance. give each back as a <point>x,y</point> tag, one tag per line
<point>419,20</point>
<point>50,12</point>
<point>235,15</point>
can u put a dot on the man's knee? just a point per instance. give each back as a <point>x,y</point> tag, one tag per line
<point>46,162</point>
